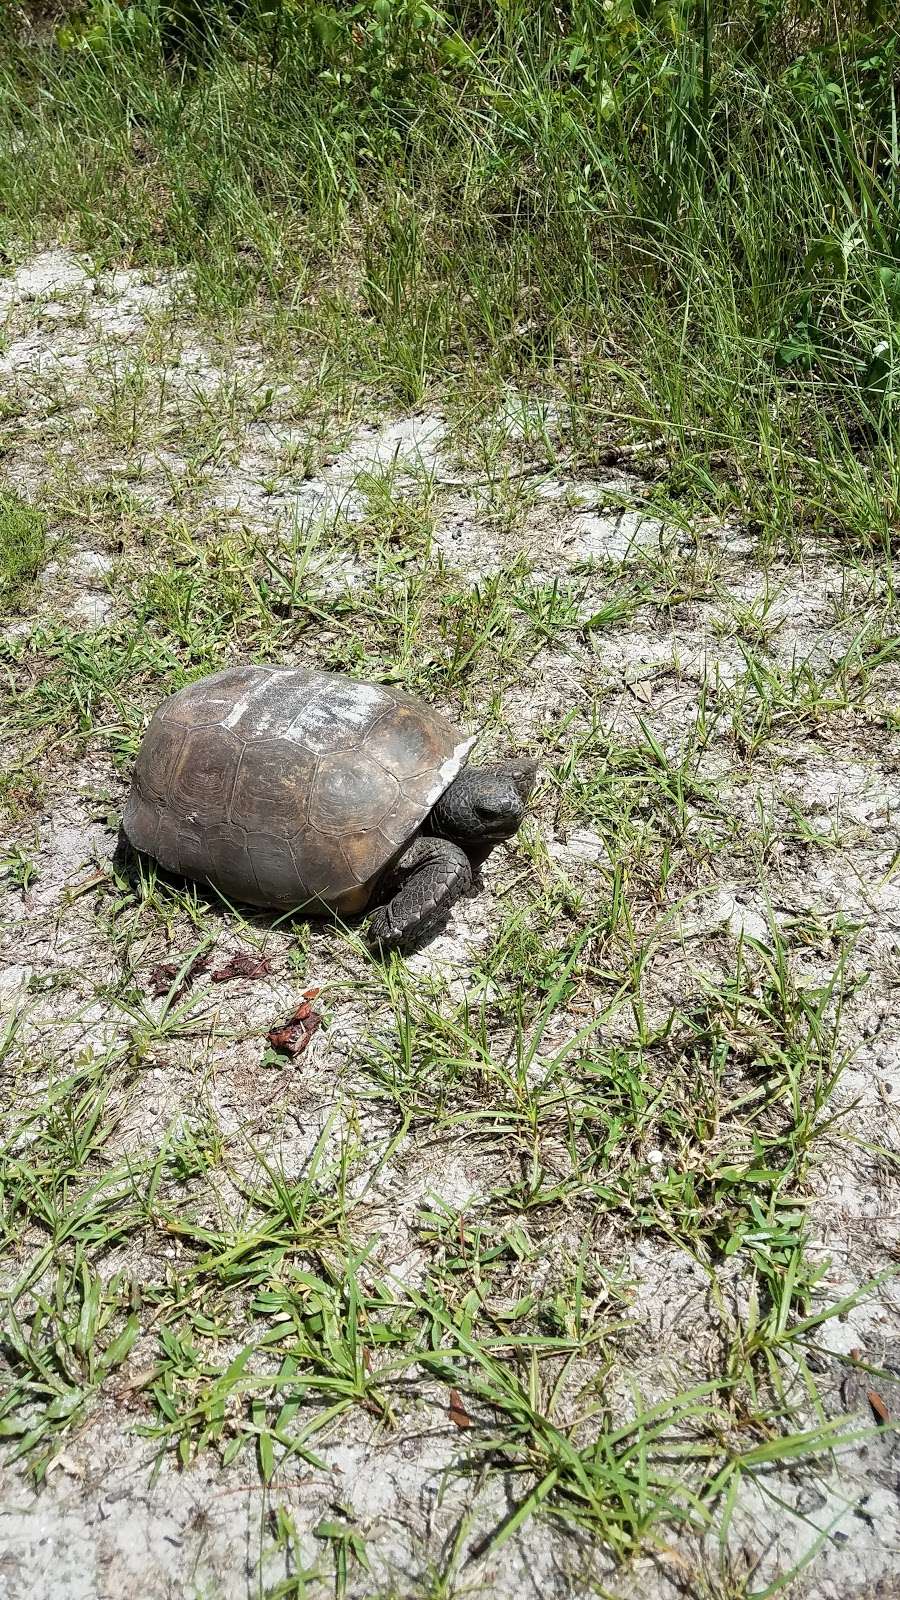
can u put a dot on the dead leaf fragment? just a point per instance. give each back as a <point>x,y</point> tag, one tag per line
<point>163,976</point>
<point>457,1412</point>
<point>292,1036</point>
<point>242,965</point>
<point>880,1410</point>
<point>140,1380</point>
<point>66,1462</point>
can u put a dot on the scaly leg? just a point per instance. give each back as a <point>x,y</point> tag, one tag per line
<point>418,892</point>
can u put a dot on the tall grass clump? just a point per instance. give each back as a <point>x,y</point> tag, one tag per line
<point>683,216</point>
<point>23,544</point>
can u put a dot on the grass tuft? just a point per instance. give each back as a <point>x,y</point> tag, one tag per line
<point>23,545</point>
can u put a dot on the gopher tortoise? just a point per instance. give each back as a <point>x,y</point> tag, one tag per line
<point>309,791</point>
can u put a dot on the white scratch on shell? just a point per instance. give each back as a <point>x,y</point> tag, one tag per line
<point>236,712</point>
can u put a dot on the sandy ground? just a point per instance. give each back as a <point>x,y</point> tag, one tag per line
<point>78,357</point>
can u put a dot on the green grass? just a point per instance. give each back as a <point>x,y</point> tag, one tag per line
<point>700,1129</point>
<point>667,241</point>
<point>23,545</point>
<point>685,228</point>
<point>274,1323</point>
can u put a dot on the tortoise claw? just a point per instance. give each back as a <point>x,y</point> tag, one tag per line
<point>381,935</point>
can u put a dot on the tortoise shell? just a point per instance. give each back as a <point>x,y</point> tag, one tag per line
<point>288,787</point>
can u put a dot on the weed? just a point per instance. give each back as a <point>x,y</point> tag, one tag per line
<point>23,545</point>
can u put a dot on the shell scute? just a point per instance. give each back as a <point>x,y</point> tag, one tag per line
<point>167,849</point>
<point>422,791</point>
<point>203,780</point>
<point>228,855</point>
<point>222,698</point>
<point>338,715</point>
<point>277,879</point>
<point>192,854</point>
<point>407,741</point>
<point>356,850</point>
<point>141,823</point>
<point>351,792</point>
<point>266,710</point>
<point>273,786</point>
<point>160,754</point>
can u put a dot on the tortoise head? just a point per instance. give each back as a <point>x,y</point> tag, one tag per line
<point>485,804</point>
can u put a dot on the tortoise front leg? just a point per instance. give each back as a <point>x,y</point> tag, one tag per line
<point>419,892</point>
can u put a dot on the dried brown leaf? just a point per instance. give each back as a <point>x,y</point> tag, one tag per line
<point>163,976</point>
<point>879,1409</point>
<point>291,1037</point>
<point>457,1412</point>
<point>242,965</point>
